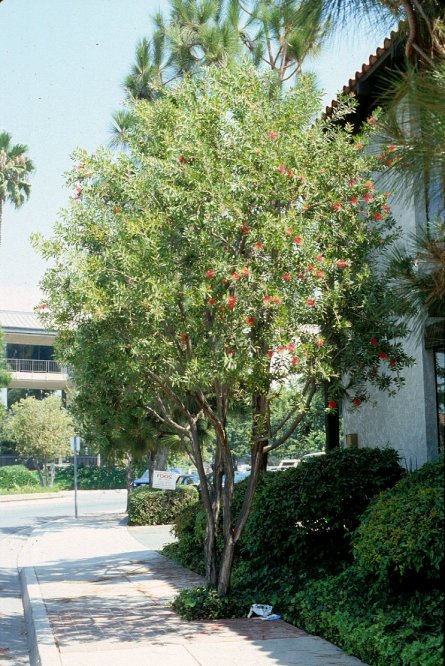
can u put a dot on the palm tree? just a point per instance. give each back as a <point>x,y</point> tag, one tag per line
<point>15,169</point>
<point>275,35</point>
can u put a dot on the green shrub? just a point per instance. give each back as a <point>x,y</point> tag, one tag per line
<point>150,506</point>
<point>16,476</point>
<point>92,478</point>
<point>387,608</point>
<point>374,625</point>
<point>204,603</point>
<point>400,538</point>
<point>189,529</point>
<point>304,517</point>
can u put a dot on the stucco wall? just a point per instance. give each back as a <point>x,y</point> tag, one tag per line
<point>407,421</point>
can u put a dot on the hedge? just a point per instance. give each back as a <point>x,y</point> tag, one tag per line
<point>150,506</point>
<point>16,476</point>
<point>91,478</point>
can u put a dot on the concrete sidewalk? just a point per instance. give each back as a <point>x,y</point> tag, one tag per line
<point>97,593</point>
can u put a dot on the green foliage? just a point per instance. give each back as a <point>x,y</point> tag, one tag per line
<point>91,478</point>
<point>379,629</point>
<point>400,538</point>
<point>301,521</point>
<point>189,529</point>
<point>15,476</point>
<point>304,517</point>
<point>204,603</point>
<point>387,608</point>
<point>149,506</point>
<point>41,430</point>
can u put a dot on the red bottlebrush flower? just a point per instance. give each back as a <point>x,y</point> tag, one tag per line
<point>342,263</point>
<point>287,277</point>
<point>369,185</point>
<point>372,120</point>
<point>282,168</point>
<point>184,337</point>
<point>381,157</point>
<point>244,229</point>
<point>310,268</point>
<point>378,216</point>
<point>337,206</point>
<point>210,274</point>
<point>298,240</point>
<point>301,179</point>
<point>357,402</point>
<point>270,353</point>
<point>392,362</point>
<point>319,342</point>
<point>386,208</point>
<point>231,302</point>
<point>276,300</point>
<point>245,272</point>
<point>391,148</point>
<point>289,173</point>
<point>389,163</point>
<point>43,306</point>
<point>383,355</point>
<point>368,197</point>
<point>182,159</point>
<point>250,320</point>
<point>281,348</point>
<point>301,276</point>
<point>235,276</point>
<point>332,404</point>
<point>310,302</point>
<point>289,232</point>
<point>212,301</point>
<point>352,183</point>
<point>374,342</point>
<point>266,298</point>
<point>272,135</point>
<point>295,360</point>
<point>319,257</point>
<point>291,347</point>
<point>358,146</point>
<point>353,200</point>
<point>229,352</point>
<point>258,246</point>
<point>320,274</point>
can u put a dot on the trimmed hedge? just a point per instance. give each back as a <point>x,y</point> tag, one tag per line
<point>387,608</point>
<point>301,521</point>
<point>91,478</point>
<point>150,506</point>
<point>15,476</point>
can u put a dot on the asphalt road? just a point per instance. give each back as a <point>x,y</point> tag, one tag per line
<point>16,515</point>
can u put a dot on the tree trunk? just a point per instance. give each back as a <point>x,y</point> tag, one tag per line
<point>332,423</point>
<point>210,554</point>
<point>151,468</point>
<point>225,569</point>
<point>161,458</point>
<point>260,429</point>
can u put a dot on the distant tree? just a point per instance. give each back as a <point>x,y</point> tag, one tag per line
<point>15,169</point>
<point>276,36</point>
<point>42,431</point>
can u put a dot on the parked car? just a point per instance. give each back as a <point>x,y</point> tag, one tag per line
<point>142,480</point>
<point>188,480</point>
<point>311,456</point>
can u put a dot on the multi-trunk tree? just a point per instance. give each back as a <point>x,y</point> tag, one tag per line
<point>234,247</point>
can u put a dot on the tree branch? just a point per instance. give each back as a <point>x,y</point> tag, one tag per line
<point>295,422</point>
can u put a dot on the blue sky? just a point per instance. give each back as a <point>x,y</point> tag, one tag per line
<point>62,64</point>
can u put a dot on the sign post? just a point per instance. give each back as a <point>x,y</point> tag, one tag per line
<point>75,446</point>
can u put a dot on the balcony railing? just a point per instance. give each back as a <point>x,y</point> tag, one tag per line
<point>32,366</point>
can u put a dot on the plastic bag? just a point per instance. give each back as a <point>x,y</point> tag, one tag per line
<point>263,610</point>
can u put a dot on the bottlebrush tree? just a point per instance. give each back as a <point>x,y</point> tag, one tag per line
<point>232,250</point>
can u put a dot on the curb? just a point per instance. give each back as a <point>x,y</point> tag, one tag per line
<point>34,496</point>
<point>42,646</point>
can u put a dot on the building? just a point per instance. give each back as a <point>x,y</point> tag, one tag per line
<point>29,356</point>
<point>413,421</point>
